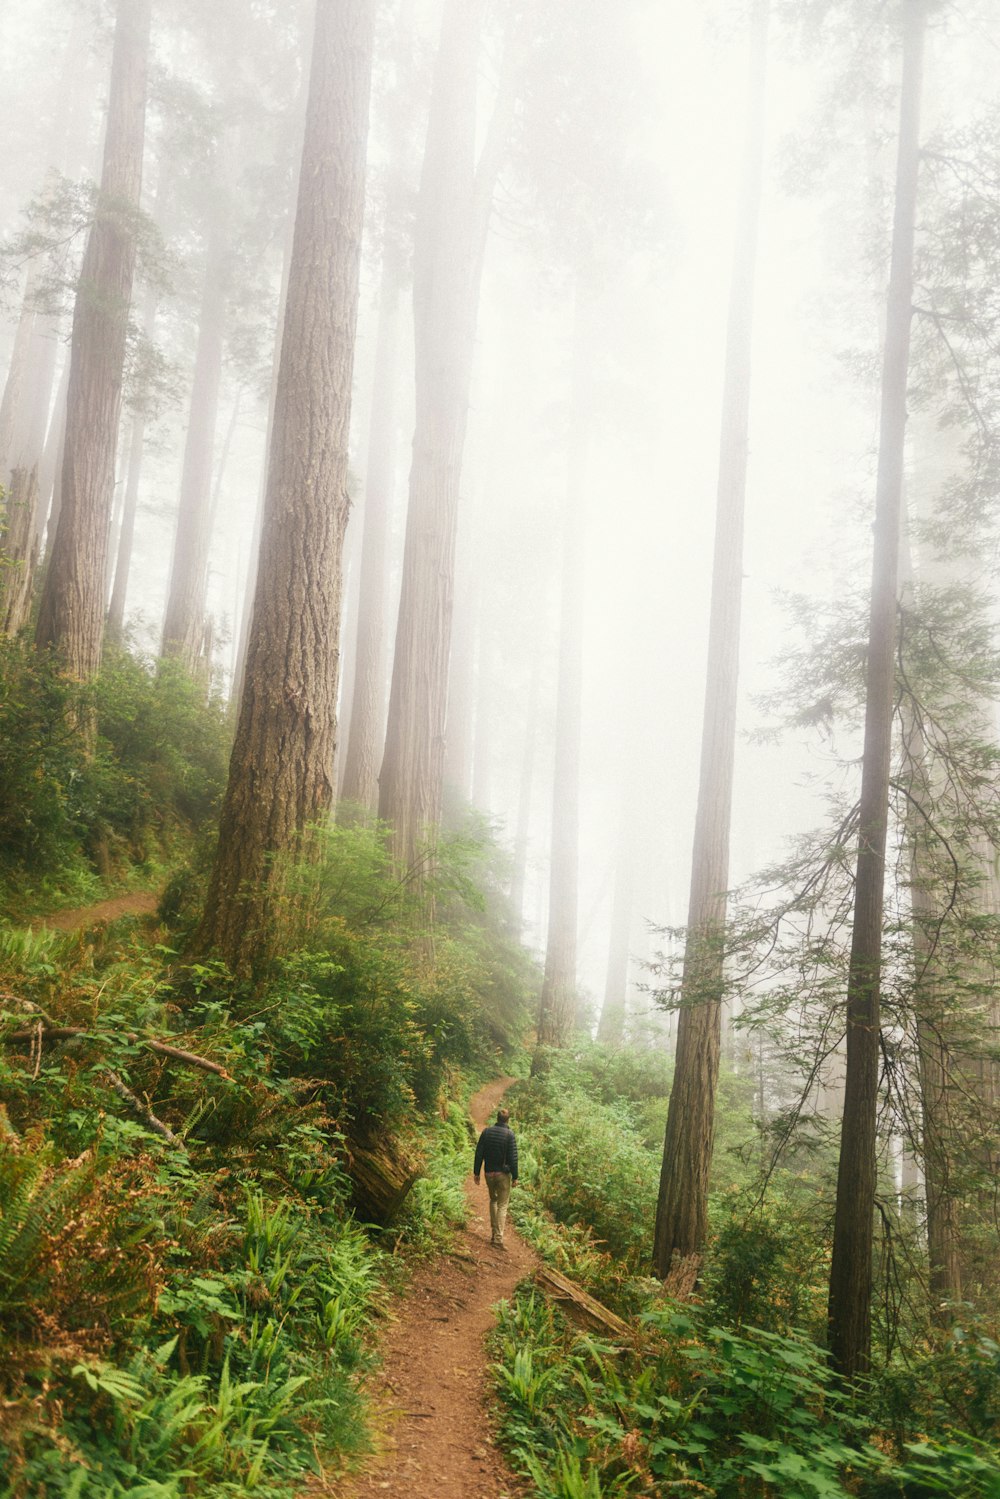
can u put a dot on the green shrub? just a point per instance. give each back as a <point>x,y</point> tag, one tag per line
<point>767,1266</point>
<point>158,766</point>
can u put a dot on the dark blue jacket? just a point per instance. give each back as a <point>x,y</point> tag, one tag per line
<point>497,1150</point>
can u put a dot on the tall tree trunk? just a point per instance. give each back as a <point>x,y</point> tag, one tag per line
<point>482,739</point>
<point>17,373</point>
<point>136,448</point>
<point>558,1002</point>
<point>359,789</point>
<point>281,771</point>
<point>71,612</point>
<point>18,550</point>
<point>849,1308</point>
<point>466,625</point>
<point>126,536</point>
<point>246,614</point>
<point>453,213</point>
<point>611,1026</point>
<point>682,1204</point>
<point>184,620</point>
<point>50,467</point>
<point>522,827</point>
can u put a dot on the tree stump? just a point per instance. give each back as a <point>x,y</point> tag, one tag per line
<point>381,1175</point>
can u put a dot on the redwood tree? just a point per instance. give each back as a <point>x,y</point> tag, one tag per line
<point>849,1310</point>
<point>682,1205</point>
<point>71,612</point>
<point>184,620</point>
<point>453,213</point>
<point>281,771</point>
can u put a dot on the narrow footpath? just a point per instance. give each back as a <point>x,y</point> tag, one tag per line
<point>433,1394</point>
<point>137,903</point>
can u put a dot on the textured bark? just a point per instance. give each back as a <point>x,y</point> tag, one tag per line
<point>280,775</point>
<point>71,612</point>
<point>18,550</point>
<point>682,1205</point>
<point>381,1176</point>
<point>360,781</point>
<point>184,619</point>
<point>453,212</point>
<point>579,1306</point>
<point>246,616</point>
<point>849,1308</point>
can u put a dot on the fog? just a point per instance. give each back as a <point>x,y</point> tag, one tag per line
<point>625,177</point>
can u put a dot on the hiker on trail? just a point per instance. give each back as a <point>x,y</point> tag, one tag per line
<point>497,1151</point>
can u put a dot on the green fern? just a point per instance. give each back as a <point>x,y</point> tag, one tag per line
<point>36,1201</point>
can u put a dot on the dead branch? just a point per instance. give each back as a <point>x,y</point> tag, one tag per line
<point>145,1114</point>
<point>163,1048</point>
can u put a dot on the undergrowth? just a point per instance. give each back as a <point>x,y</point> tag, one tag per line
<point>75,818</point>
<point>726,1395</point>
<point>189,1273</point>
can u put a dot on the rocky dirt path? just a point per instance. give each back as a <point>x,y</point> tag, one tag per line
<point>437,1427</point>
<point>138,903</point>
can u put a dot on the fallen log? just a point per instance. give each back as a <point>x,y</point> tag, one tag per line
<point>381,1175</point>
<point>579,1305</point>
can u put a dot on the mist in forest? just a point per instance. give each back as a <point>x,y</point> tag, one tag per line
<point>598,366</point>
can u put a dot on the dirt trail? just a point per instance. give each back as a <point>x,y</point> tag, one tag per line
<point>139,903</point>
<point>433,1388</point>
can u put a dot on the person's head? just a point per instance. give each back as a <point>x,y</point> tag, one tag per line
<point>503,1117</point>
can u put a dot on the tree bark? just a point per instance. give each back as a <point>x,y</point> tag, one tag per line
<point>71,612</point>
<point>682,1205</point>
<point>453,213</point>
<point>18,550</point>
<point>184,619</point>
<point>360,784</point>
<point>849,1307</point>
<point>280,776</point>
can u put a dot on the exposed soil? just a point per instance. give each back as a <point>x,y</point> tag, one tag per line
<point>139,903</point>
<point>436,1418</point>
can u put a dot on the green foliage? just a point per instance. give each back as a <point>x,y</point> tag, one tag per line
<point>768,1267</point>
<point>692,1405</point>
<point>66,813</point>
<point>194,1317</point>
<point>436,1205</point>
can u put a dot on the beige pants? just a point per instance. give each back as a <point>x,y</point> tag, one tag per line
<point>498,1185</point>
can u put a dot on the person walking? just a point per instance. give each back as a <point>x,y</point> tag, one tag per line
<point>497,1151</point>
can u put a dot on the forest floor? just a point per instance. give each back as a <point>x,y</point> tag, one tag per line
<point>432,1395</point>
<point>137,903</point>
